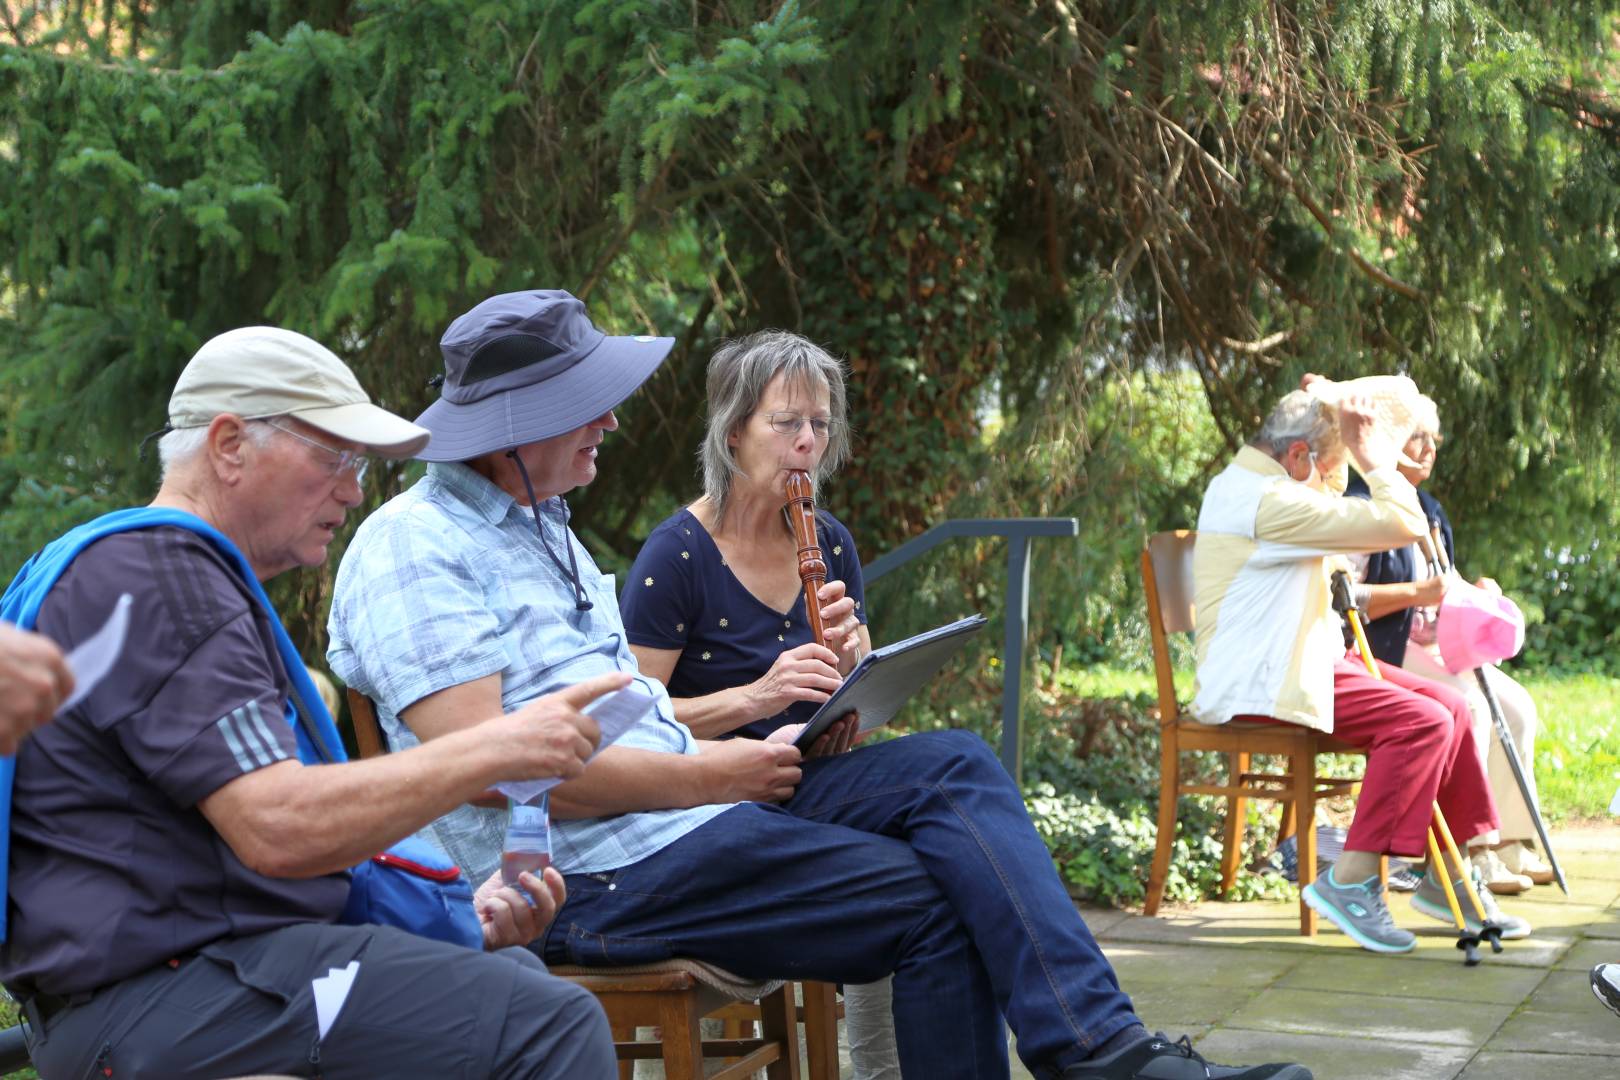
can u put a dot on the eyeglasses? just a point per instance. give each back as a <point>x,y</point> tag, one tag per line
<point>789,423</point>
<point>339,461</point>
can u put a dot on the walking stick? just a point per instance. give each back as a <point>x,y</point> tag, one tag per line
<point>1435,550</point>
<point>1467,941</point>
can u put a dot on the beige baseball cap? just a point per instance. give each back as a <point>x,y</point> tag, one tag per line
<point>261,371</point>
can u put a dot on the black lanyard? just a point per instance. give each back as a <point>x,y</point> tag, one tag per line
<point>570,571</point>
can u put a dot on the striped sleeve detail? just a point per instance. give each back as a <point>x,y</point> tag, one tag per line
<point>250,741</point>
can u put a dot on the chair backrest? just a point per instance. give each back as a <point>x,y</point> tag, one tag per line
<point>368,736</point>
<point>1167,585</point>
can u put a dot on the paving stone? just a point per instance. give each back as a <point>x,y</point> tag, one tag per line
<point>1493,1065</point>
<point>1272,925</point>
<point>1591,1029</point>
<point>1182,1009</point>
<point>1560,916</point>
<point>1146,962</point>
<point>1337,1058</point>
<point>1401,1019</point>
<point>1586,889</point>
<point>1606,927</point>
<point>1099,919</point>
<point>1583,867</point>
<point>1591,836</point>
<point>1351,1015</point>
<point>1539,950</point>
<point>1398,976</point>
<point>1562,990</point>
<point>1586,954</point>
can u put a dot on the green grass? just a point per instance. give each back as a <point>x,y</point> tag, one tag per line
<point>1578,747</point>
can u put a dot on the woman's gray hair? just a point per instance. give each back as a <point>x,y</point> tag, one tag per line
<point>738,374</point>
<point>1299,417</point>
<point>180,445</point>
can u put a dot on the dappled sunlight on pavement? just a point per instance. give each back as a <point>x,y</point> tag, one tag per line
<point>1248,988</point>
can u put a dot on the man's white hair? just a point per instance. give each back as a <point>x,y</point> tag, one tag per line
<point>1425,416</point>
<point>1299,417</point>
<point>183,444</point>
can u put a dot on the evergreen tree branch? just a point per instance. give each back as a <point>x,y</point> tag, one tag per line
<point>1283,177</point>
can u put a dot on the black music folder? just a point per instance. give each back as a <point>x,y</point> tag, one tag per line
<point>886,677</point>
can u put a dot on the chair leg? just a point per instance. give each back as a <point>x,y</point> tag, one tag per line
<point>625,1033</point>
<point>779,1023</point>
<point>683,1041</point>
<point>1237,808</point>
<point>821,1030</point>
<point>1303,767</point>
<point>735,1028</point>
<point>1165,842</point>
<point>1285,827</point>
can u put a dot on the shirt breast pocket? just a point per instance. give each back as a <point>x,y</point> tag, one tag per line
<point>602,620</point>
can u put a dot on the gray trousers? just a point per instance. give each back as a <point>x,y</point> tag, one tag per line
<point>416,1008</point>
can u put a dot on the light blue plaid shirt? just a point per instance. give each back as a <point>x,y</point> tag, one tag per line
<point>448,583</point>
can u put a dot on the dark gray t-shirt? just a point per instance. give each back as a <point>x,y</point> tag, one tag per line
<point>113,868</point>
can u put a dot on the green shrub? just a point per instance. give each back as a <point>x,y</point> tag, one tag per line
<point>1091,777</point>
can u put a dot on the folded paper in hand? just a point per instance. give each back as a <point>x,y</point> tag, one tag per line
<point>886,677</point>
<point>95,655</point>
<point>614,713</point>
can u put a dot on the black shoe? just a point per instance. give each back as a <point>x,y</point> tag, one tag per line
<point>1157,1058</point>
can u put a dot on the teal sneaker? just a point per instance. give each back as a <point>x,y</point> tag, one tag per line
<point>1359,910</point>
<point>1430,899</point>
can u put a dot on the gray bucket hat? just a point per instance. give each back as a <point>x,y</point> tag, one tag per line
<point>526,366</point>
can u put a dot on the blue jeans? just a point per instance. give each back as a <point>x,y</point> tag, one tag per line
<point>914,857</point>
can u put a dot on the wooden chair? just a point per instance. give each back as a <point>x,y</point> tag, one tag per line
<point>675,995</point>
<point>1167,581</point>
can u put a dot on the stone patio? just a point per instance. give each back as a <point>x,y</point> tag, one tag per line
<point>1241,981</point>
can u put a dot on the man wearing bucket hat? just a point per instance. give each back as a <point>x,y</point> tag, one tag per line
<point>1474,627</point>
<point>913,857</point>
<point>1270,648</point>
<point>178,878</point>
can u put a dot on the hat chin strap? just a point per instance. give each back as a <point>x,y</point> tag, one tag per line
<point>571,571</point>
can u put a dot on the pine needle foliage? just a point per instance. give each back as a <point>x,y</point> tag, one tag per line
<point>996,210</point>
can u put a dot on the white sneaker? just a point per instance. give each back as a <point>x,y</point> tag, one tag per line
<point>1520,859</point>
<point>1496,876</point>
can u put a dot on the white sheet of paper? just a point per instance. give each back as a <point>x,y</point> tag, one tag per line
<point>331,991</point>
<point>614,713</point>
<point>97,653</point>
<point>1614,803</point>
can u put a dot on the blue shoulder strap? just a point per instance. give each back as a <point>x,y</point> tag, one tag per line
<point>318,739</point>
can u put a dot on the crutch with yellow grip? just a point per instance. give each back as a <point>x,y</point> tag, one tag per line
<point>1467,940</point>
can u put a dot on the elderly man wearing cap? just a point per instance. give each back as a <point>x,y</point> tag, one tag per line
<point>177,875</point>
<point>1271,530</point>
<point>914,857</point>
